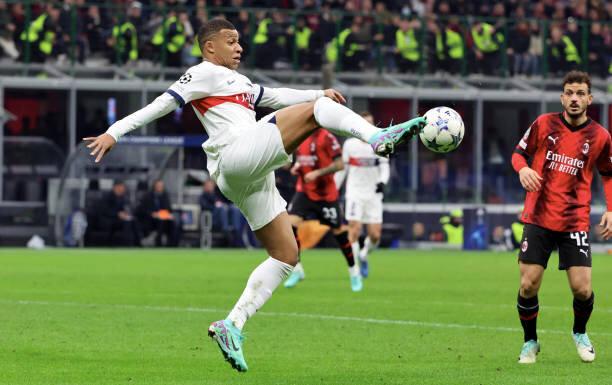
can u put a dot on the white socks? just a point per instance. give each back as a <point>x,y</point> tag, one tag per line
<point>341,120</point>
<point>262,282</point>
<point>367,245</point>
<point>354,270</point>
<point>298,268</point>
<point>356,251</point>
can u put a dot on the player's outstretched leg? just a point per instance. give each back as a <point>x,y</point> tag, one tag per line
<point>342,121</point>
<point>277,239</point>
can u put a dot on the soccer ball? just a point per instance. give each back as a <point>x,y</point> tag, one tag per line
<point>444,130</point>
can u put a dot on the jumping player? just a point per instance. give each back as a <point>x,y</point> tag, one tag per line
<point>316,197</point>
<point>564,148</point>
<point>243,154</point>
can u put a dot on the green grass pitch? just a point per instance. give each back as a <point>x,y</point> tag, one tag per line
<point>425,317</point>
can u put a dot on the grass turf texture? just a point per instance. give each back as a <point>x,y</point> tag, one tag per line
<point>424,317</point>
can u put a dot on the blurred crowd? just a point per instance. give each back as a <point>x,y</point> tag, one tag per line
<point>497,38</point>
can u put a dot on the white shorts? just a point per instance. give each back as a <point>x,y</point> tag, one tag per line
<point>364,210</point>
<point>246,173</point>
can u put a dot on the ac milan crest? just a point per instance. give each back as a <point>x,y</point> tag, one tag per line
<point>585,148</point>
<point>524,245</point>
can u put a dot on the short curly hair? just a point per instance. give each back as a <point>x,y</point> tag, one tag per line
<point>577,77</point>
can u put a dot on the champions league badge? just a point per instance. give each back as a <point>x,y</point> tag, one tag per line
<point>186,78</point>
<point>524,245</point>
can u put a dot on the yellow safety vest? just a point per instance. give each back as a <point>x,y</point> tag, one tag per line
<point>261,36</point>
<point>195,50</point>
<point>571,52</point>
<point>517,231</point>
<point>454,42</point>
<point>302,38</point>
<point>32,34</point>
<point>407,44</point>
<point>454,235</point>
<point>177,41</point>
<point>119,33</point>
<point>484,40</point>
<point>331,52</point>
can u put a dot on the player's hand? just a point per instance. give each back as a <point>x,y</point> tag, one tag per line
<point>530,179</point>
<point>295,170</point>
<point>606,225</point>
<point>311,176</point>
<point>100,145</point>
<point>334,95</point>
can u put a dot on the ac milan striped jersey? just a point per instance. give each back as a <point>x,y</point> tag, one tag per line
<point>564,156</point>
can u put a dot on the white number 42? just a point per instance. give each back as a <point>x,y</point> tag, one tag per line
<point>580,237</point>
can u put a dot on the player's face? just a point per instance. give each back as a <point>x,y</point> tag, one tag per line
<point>575,99</point>
<point>227,50</point>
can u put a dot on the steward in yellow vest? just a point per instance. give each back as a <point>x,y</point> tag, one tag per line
<point>407,46</point>
<point>174,37</point>
<point>487,47</point>
<point>125,42</point>
<point>41,35</point>
<point>450,47</point>
<point>453,227</point>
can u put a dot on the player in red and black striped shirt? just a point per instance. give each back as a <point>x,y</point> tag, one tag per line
<point>564,148</point>
<point>316,197</point>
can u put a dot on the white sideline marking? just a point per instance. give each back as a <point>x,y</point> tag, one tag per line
<point>296,315</point>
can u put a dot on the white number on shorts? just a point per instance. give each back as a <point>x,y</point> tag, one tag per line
<point>330,213</point>
<point>580,237</point>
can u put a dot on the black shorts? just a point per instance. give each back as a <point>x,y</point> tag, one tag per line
<point>538,243</point>
<point>328,213</point>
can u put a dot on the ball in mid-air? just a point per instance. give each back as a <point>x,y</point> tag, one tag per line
<point>444,130</point>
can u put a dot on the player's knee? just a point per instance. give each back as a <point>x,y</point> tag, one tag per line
<point>529,286</point>
<point>582,293</point>
<point>374,237</point>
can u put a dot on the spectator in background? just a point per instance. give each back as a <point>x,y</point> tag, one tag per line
<point>42,35</point>
<point>597,51</point>
<point>171,34</point>
<point>95,26</point>
<point>450,52</point>
<point>116,218</point>
<point>7,31</point>
<point>453,227</point>
<point>520,39</point>
<point>355,47</point>
<point>226,216</point>
<point>408,46</point>
<point>487,47</point>
<point>155,214</point>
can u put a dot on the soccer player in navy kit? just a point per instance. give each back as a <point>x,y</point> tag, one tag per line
<point>563,148</point>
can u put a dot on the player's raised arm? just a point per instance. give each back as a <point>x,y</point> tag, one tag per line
<point>102,144</point>
<point>283,97</point>
<point>530,179</point>
<point>194,84</point>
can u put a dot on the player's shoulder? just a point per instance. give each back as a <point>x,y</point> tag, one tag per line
<point>208,69</point>
<point>599,129</point>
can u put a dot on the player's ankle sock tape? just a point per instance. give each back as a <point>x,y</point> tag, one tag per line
<point>582,313</point>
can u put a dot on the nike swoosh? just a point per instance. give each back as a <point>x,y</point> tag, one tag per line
<point>230,82</point>
<point>233,345</point>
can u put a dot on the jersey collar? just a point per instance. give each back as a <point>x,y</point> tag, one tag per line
<point>574,128</point>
